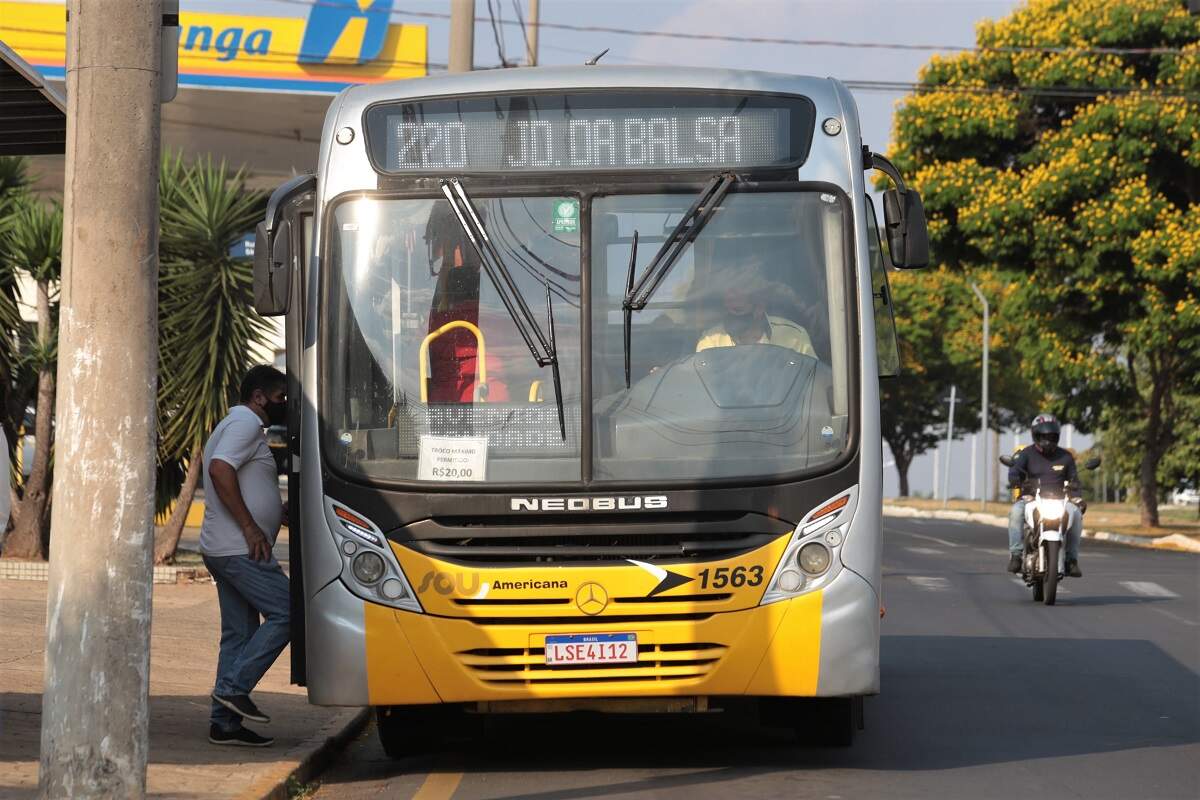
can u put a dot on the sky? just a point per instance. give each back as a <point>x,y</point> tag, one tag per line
<point>934,22</point>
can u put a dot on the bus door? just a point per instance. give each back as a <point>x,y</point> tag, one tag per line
<point>282,248</point>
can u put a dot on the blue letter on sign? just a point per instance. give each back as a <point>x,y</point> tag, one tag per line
<point>330,17</point>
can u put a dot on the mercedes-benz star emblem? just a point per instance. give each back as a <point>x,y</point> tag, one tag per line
<point>591,599</point>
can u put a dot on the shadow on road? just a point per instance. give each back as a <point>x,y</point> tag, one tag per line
<point>947,702</point>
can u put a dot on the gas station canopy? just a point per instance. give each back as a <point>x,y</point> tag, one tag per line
<point>33,114</point>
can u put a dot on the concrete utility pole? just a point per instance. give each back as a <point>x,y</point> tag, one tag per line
<point>535,18</point>
<point>96,696</point>
<point>949,445</point>
<point>462,36</point>
<point>983,411</point>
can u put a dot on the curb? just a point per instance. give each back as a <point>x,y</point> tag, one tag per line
<point>1175,542</point>
<point>14,570</point>
<point>308,758</point>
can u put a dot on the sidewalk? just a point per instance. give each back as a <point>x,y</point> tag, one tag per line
<point>183,659</point>
<point>925,509</point>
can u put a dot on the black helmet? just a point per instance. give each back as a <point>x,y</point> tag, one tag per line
<point>1045,430</point>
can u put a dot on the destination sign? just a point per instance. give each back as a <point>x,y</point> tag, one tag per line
<point>590,131</point>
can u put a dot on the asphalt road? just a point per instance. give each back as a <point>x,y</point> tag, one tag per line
<point>984,695</point>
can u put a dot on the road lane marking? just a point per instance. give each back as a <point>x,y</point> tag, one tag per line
<point>931,539</point>
<point>928,583</point>
<point>992,551</point>
<point>924,551</point>
<point>438,786</point>
<point>1148,589</point>
<point>1176,617</point>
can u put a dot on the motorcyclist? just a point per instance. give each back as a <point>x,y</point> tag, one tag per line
<point>1050,463</point>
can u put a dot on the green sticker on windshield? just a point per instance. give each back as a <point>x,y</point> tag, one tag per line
<point>566,216</point>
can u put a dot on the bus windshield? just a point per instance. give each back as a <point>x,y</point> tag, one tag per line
<point>739,363</point>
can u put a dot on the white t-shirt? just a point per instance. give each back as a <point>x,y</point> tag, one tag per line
<point>240,442</point>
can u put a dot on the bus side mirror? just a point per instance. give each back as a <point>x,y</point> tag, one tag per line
<point>272,268</point>
<point>907,234</point>
<point>1006,460</point>
<point>1092,462</point>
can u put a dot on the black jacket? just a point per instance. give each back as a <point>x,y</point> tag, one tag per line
<point>1030,464</point>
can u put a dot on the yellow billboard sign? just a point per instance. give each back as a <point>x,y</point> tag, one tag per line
<point>340,43</point>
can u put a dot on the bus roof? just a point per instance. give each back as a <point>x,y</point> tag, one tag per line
<point>526,79</point>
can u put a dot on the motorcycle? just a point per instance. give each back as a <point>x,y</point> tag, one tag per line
<point>1047,517</point>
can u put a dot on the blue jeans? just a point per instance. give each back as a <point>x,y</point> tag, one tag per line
<point>246,590</point>
<point>1016,527</point>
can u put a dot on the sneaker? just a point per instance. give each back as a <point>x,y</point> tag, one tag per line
<point>1014,563</point>
<point>242,737</point>
<point>242,705</point>
<point>1073,569</point>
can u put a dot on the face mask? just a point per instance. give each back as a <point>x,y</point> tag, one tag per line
<point>276,412</point>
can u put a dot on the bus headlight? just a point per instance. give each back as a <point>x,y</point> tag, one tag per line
<point>811,561</point>
<point>370,569</point>
<point>814,558</point>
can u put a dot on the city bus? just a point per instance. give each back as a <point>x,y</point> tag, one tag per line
<point>584,396</point>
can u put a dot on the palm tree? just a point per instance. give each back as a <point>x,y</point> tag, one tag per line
<point>14,178</point>
<point>32,244</point>
<point>207,325</point>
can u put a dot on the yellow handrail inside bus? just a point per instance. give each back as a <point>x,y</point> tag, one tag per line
<point>535,392</point>
<point>480,358</point>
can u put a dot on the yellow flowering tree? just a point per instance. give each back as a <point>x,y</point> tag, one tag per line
<point>1064,154</point>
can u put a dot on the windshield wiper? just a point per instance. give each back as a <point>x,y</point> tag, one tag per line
<point>638,295</point>
<point>541,345</point>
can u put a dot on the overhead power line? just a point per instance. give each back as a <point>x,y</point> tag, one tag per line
<point>780,40</point>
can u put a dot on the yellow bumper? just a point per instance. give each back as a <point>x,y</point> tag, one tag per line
<point>761,650</point>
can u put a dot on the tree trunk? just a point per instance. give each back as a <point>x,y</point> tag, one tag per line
<point>30,515</point>
<point>166,540</point>
<point>1148,483</point>
<point>902,465</point>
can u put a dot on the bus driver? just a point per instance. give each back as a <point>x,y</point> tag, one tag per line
<point>744,293</point>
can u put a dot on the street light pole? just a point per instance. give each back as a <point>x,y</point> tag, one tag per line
<point>949,443</point>
<point>983,410</point>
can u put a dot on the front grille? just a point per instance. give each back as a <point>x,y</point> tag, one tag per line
<point>588,547</point>
<point>665,663</point>
<point>660,536</point>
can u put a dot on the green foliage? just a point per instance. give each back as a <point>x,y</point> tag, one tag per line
<point>207,326</point>
<point>32,244</point>
<point>1079,180</point>
<point>14,178</point>
<point>939,324</point>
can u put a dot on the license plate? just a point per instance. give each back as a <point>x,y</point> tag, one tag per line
<point>592,648</point>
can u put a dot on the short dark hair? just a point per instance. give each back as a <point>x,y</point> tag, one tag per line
<point>262,377</point>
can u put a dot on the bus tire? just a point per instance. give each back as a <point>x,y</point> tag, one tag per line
<point>406,731</point>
